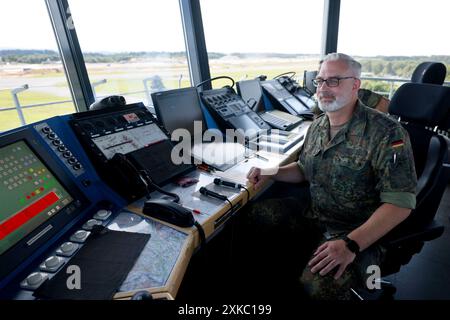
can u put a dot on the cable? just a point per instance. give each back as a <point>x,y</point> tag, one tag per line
<point>233,185</point>
<point>158,188</point>
<point>248,192</point>
<point>216,78</point>
<point>289,72</point>
<point>201,233</point>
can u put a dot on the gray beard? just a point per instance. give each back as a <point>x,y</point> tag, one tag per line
<point>331,107</point>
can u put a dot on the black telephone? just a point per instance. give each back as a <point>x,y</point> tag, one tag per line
<point>129,176</point>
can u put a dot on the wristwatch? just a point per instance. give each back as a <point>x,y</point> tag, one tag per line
<point>352,245</point>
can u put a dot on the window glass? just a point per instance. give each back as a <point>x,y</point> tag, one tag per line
<point>132,48</point>
<point>33,85</point>
<point>249,38</point>
<point>390,38</point>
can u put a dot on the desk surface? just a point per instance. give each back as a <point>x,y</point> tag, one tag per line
<point>163,262</point>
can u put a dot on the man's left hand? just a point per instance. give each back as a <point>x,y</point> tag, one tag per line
<point>330,255</point>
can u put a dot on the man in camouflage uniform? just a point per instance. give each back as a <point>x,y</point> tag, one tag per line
<point>360,169</point>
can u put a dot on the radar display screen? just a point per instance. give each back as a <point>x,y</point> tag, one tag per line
<point>29,193</point>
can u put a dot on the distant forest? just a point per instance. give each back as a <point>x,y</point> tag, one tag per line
<point>395,66</point>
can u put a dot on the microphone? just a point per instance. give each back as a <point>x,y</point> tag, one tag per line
<point>220,182</point>
<point>212,194</point>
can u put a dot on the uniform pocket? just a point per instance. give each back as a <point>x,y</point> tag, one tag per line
<point>351,174</point>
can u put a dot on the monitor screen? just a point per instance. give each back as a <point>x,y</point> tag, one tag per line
<point>251,93</point>
<point>308,77</point>
<point>29,193</point>
<point>296,105</point>
<point>178,109</point>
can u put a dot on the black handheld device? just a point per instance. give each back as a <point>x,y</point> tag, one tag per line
<point>213,194</point>
<point>229,184</point>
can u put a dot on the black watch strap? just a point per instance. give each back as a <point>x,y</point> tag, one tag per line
<point>352,245</point>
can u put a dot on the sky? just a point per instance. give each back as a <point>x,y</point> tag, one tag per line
<point>367,27</point>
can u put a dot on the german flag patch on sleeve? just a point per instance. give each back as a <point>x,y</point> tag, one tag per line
<point>397,144</point>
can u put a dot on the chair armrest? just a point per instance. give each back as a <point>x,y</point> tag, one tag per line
<point>404,236</point>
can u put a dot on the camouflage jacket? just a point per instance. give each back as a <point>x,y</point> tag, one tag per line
<point>369,162</point>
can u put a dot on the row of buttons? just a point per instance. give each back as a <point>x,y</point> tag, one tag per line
<point>60,147</point>
<point>55,262</point>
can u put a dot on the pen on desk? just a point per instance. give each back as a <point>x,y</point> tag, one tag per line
<point>261,157</point>
<point>205,167</point>
<point>196,211</point>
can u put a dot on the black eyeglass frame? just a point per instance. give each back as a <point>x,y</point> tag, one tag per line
<point>317,84</point>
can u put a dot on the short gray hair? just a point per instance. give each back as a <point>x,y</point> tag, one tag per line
<point>354,65</point>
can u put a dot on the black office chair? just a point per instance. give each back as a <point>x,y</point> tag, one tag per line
<point>429,72</point>
<point>419,106</point>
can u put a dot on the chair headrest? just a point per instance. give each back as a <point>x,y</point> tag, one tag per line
<point>421,103</point>
<point>429,72</point>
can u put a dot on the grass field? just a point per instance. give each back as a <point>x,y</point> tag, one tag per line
<point>10,119</point>
<point>126,78</point>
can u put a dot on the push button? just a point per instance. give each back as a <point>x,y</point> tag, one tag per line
<point>67,249</point>
<point>102,214</point>
<point>91,223</point>
<point>52,264</point>
<point>34,280</point>
<point>80,236</point>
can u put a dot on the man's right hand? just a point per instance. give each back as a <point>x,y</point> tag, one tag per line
<point>256,177</point>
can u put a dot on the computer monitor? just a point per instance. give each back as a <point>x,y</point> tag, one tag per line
<point>38,198</point>
<point>251,93</point>
<point>178,109</point>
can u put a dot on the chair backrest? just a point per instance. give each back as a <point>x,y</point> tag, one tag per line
<point>421,106</point>
<point>429,72</point>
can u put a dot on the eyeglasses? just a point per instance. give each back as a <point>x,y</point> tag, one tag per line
<point>331,82</point>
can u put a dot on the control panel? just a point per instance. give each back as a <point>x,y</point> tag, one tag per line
<point>231,111</point>
<point>127,146</point>
<point>60,149</point>
<point>59,255</point>
<point>51,199</point>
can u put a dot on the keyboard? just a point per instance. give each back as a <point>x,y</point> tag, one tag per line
<point>281,120</point>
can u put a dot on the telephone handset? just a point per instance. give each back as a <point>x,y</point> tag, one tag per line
<point>129,176</point>
<point>137,179</point>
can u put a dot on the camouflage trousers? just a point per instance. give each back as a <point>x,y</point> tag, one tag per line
<point>277,239</point>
